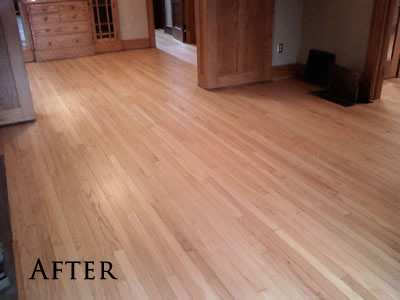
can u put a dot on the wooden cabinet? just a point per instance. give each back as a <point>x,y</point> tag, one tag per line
<point>65,29</point>
<point>234,41</point>
<point>60,29</point>
<point>105,25</point>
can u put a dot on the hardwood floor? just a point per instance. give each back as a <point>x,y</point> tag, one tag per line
<point>166,43</point>
<point>258,192</point>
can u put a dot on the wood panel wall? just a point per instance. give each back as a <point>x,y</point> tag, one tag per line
<point>234,41</point>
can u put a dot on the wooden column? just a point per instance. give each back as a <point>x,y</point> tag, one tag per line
<point>234,41</point>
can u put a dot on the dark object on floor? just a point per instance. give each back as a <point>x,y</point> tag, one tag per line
<point>317,68</point>
<point>343,86</point>
<point>4,282</point>
<point>6,240</point>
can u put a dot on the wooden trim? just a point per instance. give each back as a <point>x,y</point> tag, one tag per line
<point>150,23</point>
<point>284,71</point>
<point>29,56</point>
<point>300,70</point>
<point>107,45</point>
<point>190,22</point>
<point>378,46</point>
<point>240,79</point>
<point>135,44</point>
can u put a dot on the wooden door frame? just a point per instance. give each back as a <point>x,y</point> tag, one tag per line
<point>378,46</point>
<point>395,67</point>
<point>151,27</point>
<point>150,24</point>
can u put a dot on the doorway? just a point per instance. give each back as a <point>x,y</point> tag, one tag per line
<point>175,32</point>
<point>24,31</point>
<point>391,83</point>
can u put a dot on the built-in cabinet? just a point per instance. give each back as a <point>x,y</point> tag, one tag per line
<point>234,41</point>
<point>66,29</point>
<point>105,25</point>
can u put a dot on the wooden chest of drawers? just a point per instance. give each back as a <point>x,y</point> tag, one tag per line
<point>60,29</point>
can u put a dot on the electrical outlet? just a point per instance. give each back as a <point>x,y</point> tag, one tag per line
<point>280,48</point>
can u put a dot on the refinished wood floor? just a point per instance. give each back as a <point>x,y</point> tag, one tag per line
<point>258,192</point>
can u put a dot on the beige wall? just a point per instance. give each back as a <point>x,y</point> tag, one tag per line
<point>287,30</point>
<point>338,26</point>
<point>133,19</point>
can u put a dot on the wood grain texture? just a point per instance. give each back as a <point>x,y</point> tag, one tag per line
<point>284,71</point>
<point>378,46</point>
<point>61,29</point>
<point>234,42</point>
<point>259,192</point>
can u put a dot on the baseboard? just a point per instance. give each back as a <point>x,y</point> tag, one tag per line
<point>284,71</point>
<point>301,69</point>
<point>168,29</point>
<point>288,71</point>
<point>135,44</point>
<point>105,46</point>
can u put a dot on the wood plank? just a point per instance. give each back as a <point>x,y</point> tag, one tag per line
<point>242,193</point>
<point>235,40</point>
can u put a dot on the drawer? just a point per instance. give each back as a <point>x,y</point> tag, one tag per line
<point>72,16</point>
<point>42,9</point>
<point>74,6</point>
<point>60,28</point>
<point>45,19</point>
<point>47,55</point>
<point>63,41</point>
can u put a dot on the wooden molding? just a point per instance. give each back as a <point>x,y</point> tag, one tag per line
<point>135,44</point>
<point>378,45</point>
<point>300,70</point>
<point>284,71</point>
<point>104,46</point>
<point>29,56</point>
<point>150,24</point>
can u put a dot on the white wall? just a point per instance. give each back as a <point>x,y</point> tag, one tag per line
<point>287,30</point>
<point>338,26</point>
<point>133,19</point>
<point>168,13</point>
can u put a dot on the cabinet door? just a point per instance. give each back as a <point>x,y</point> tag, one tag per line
<point>234,41</point>
<point>106,25</point>
<point>15,95</point>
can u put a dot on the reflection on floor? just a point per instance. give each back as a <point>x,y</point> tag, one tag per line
<point>391,90</point>
<point>257,192</point>
<point>168,44</point>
